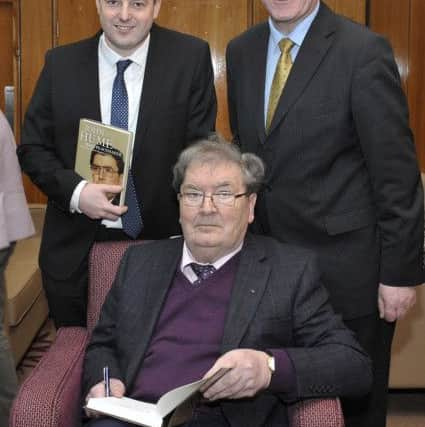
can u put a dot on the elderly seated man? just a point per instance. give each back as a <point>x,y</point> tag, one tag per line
<point>183,308</point>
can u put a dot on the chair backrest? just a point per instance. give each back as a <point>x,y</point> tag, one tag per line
<point>103,265</point>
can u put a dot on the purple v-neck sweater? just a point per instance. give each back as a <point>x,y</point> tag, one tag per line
<point>186,341</point>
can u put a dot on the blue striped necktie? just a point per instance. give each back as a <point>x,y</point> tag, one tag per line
<point>132,219</point>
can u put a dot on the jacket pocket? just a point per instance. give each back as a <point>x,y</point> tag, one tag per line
<point>349,221</point>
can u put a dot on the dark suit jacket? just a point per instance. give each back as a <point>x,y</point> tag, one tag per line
<point>342,176</point>
<point>277,301</point>
<point>178,105</point>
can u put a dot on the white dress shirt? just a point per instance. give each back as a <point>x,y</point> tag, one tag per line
<point>187,259</point>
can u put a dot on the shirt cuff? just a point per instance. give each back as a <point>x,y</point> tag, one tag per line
<point>75,199</point>
<point>284,378</point>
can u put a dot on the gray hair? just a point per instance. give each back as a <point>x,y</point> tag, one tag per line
<point>217,149</point>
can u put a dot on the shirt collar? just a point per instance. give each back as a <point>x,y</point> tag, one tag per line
<point>298,34</point>
<point>187,259</point>
<point>111,57</point>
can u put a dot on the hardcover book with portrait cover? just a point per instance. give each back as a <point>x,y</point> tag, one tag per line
<point>104,155</point>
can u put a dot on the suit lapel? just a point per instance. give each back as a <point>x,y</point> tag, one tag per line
<point>311,54</point>
<point>88,77</point>
<point>250,283</point>
<point>259,76</point>
<point>162,268</point>
<point>154,71</point>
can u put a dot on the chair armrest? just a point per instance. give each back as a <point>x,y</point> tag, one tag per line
<point>50,396</point>
<point>316,413</point>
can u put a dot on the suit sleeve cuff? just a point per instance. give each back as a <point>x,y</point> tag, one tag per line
<point>284,378</point>
<point>75,199</point>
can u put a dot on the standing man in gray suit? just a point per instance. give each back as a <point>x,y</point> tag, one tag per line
<point>15,224</point>
<point>157,83</point>
<point>318,98</point>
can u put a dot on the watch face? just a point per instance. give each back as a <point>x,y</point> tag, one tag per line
<point>271,364</point>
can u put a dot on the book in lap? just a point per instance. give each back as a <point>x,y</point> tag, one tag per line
<point>149,414</point>
<point>104,155</point>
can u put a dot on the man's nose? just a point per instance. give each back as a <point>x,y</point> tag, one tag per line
<point>208,204</point>
<point>124,13</point>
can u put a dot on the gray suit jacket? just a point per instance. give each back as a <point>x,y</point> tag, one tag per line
<point>15,218</point>
<point>342,174</point>
<point>277,302</point>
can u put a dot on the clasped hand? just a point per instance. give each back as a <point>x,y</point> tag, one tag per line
<point>395,301</point>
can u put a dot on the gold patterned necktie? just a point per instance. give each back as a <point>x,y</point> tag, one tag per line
<point>281,74</point>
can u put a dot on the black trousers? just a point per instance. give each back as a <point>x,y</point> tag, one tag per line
<point>67,298</point>
<point>375,335</point>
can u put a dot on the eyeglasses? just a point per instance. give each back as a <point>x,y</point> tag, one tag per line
<point>195,199</point>
<point>107,170</point>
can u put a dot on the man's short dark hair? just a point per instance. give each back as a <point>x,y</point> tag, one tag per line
<point>216,149</point>
<point>105,150</point>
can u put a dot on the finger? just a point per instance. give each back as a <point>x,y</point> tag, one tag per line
<point>96,391</point>
<point>381,307</point>
<point>232,390</point>
<point>402,310</point>
<point>221,363</point>
<point>390,314</point>
<point>112,212</point>
<point>225,386</point>
<point>117,389</point>
<point>107,188</point>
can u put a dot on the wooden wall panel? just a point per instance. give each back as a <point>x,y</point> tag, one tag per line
<point>75,20</point>
<point>353,9</point>
<point>44,23</point>
<point>6,47</point>
<point>216,21</point>
<point>391,18</point>
<point>260,13</point>
<point>416,82</point>
<point>35,39</point>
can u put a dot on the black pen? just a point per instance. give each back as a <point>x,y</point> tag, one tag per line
<point>106,381</point>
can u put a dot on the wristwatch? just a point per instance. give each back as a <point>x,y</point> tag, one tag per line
<point>271,364</point>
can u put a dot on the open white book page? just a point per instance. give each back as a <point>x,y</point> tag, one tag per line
<point>175,397</point>
<point>149,414</point>
<point>126,409</point>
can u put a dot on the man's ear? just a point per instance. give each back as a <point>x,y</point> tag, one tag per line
<point>252,199</point>
<point>157,8</point>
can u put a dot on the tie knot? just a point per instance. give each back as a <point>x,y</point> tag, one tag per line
<point>203,271</point>
<point>122,65</point>
<point>285,45</point>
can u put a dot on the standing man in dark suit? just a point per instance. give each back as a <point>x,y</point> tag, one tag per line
<point>342,174</point>
<point>219,298</point>
<point>155,82</point>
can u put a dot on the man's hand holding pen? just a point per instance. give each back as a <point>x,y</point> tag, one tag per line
<point>107,387</point>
